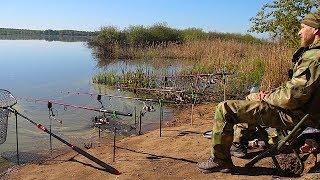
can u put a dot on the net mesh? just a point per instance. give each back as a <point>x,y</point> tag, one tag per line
<point>3,125</point>
<point>6,99</point>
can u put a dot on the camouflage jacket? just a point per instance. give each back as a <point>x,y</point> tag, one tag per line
<point>299,90</point>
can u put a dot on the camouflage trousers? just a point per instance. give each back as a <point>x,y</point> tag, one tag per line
<point>241,133</point>
<point>250,112</point>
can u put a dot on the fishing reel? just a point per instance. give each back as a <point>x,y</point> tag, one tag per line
<point>148,107</point>
<point>100,120</point>
<point>211,80</point>
<point>99,100</point>
<point>179,98</point>
<point>53,115</point>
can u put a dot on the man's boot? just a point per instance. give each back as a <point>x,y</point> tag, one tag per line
<point>238,150</point>
<point>215,165</point>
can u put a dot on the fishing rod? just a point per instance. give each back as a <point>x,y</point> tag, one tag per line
<point>152,89</point>
<point>80,107</point>
<point>188,75</point>
<point>149,89</point>
<point>121,97</point>
<point>178,97</point>
<point>198,75</point>
<point>7,100</point>
<point>145,109</point>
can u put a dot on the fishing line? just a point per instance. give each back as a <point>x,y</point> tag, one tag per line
<point>7,101</point>
<point>86,107</point>
<point>53,112</point>
<point>121,97</point>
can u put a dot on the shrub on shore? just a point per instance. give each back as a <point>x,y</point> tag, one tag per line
<point>159,33</point>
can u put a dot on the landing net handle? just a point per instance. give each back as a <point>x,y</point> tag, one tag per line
<point>6,100</point>
<point>4,113</point>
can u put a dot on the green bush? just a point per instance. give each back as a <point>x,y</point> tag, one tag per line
<point>193,34</point>
<point>109,35</point>
<point>159,33</point>
<point>137,35</point>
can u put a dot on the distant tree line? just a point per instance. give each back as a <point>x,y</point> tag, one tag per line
<point>159,33</point>
<point>49,32</point>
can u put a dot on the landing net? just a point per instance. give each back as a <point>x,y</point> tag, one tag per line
<point>3,124</point>
<point>6,99</point>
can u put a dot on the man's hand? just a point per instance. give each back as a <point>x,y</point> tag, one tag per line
<point>262,94</point>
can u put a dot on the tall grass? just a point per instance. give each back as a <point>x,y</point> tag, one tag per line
<point>138,78</point>
<point>264,64</point>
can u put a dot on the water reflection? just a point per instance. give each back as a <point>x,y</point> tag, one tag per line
<point>46,38</point>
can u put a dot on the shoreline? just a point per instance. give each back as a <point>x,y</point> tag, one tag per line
<point>172,123</point>
<point>43,156</point>
<point>148,156</point>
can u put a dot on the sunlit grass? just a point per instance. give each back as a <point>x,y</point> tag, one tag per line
<point>253,64</point>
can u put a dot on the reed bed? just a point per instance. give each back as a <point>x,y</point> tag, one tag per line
<point>264,64</point>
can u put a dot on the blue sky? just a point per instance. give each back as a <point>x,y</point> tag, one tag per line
<point>210,15</point>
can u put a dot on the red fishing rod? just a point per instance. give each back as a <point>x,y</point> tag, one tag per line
<point>7,100</point>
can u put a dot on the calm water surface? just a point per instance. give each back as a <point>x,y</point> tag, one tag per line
<point>48,70</point>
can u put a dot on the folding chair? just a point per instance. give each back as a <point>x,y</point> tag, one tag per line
<point>286,139</point>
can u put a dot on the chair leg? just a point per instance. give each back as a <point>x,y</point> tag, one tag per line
<point>300,170</point>
<point>267,153</point>
<point>265,137</point>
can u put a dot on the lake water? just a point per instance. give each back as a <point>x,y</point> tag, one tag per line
<point>49,70</point>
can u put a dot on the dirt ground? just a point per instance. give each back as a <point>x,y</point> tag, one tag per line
<point>172,156</point>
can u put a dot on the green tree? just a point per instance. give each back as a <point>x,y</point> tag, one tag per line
<point>281,19</point>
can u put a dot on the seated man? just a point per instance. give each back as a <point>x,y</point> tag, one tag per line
<point>281,108</point>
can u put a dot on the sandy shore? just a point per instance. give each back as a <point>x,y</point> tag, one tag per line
<point>172,156</point>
